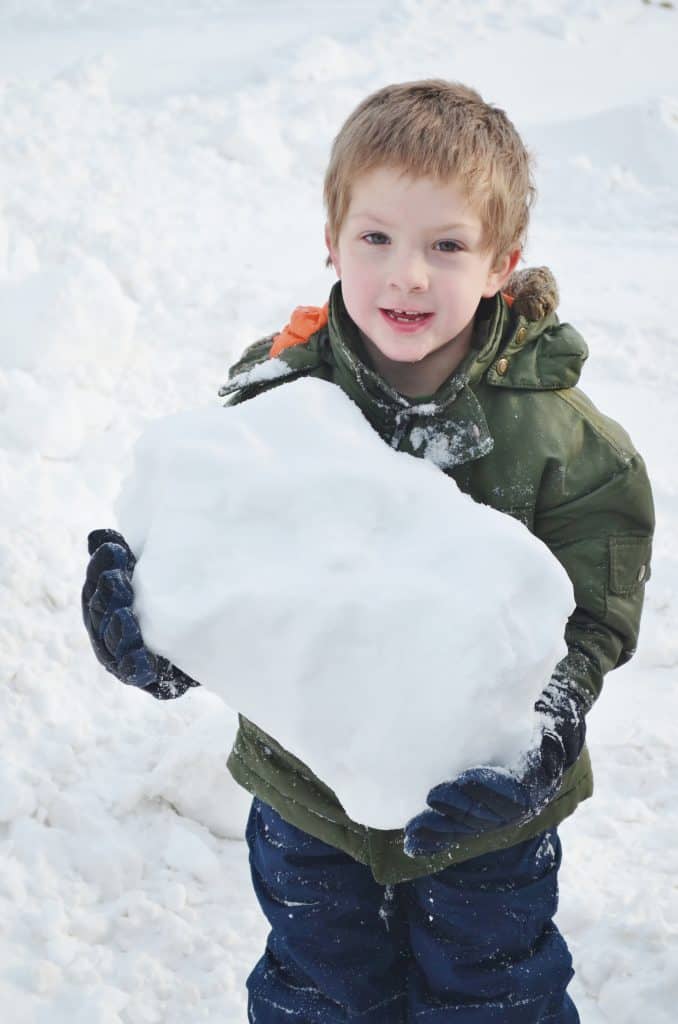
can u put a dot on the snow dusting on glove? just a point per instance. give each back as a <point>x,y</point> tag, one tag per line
<point>487,798</point>
<point>112,626</point>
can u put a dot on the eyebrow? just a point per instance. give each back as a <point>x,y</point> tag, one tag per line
<point>377,220</point>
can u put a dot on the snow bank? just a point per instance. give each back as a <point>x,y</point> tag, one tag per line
<point>192,777</point>
<point>349,599</point>
<point>65,336</point>
<point>640,140</point>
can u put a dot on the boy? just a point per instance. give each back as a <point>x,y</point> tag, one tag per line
<point>428,193</point>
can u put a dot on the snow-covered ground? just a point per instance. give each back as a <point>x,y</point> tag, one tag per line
<point>160,173</point>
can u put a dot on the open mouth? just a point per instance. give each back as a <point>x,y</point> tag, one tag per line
<point>406,316</point>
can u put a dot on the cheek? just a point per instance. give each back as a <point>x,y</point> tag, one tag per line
<point>359,299</point>
<point>356,281</point>
<point>353,294</point>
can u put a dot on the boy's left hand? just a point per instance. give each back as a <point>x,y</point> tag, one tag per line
<point>487,798</point>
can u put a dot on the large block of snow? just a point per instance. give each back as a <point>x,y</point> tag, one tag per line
<point>347,598</point>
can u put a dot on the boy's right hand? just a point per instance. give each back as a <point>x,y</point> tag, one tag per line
<point>112,626</point>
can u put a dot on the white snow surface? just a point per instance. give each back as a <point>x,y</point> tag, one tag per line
<point>160,209</point>
<point>384,627</point>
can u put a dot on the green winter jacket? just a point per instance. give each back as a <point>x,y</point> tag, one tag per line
<point>510,427</point>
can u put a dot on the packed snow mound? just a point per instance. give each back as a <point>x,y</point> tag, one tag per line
<point>349,599</point>
<point>65,338</point>
<point>638,140</point>
<point>191,774</point>
<point>70,321</point>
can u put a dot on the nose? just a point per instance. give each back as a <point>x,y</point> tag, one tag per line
<point>408,271</point>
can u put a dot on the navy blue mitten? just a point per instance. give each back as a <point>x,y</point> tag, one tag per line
<point>112,626</point>
<point>487,798</point>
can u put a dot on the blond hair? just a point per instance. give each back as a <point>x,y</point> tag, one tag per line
<point>442,130</point>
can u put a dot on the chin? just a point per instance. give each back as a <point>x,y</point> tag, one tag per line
<point>401,354</point>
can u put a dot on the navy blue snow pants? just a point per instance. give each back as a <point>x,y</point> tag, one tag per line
<point>473,944</point>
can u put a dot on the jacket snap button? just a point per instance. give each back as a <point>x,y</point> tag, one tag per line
<point>521,335</point>
<point>641,573</point>
<point>502,366</point>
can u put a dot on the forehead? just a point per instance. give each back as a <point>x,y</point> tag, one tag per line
<point>393,195</point>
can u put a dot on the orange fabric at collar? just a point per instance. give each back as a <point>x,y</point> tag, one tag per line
<point>304,322</point>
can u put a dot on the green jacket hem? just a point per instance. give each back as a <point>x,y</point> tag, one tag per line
<point>303,800</point>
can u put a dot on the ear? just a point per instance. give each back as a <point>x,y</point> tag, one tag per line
<point>333,258</point>
<point>500,273</point>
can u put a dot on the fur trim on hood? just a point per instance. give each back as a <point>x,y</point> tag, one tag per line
<point>534,292</point>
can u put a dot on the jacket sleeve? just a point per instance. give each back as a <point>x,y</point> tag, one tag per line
<point>595,512</point>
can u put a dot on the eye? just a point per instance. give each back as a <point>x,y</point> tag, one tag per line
<point>375,238</point>
<point>448,245</point>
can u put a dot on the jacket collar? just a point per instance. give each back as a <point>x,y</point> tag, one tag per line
<point>450,426</point>
<point>508,351</point>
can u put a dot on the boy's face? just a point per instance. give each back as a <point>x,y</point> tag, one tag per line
<point>411,264</point>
